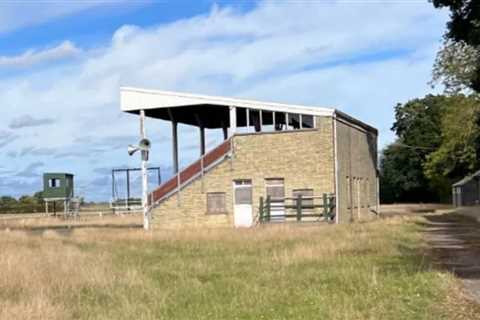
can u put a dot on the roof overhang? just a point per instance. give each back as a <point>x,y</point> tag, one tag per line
<point>211,110</point>
<point>467,179</point>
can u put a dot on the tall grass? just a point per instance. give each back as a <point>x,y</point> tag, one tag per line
<point>361,271</point>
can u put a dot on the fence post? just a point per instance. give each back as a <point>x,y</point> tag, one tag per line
<point>261,209</point>
<point>332,206</point>
<point>299,207</point>
<point>268,208</point>
<point>326,207</point>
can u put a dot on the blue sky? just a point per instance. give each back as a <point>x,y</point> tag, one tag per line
<point>62,63</point>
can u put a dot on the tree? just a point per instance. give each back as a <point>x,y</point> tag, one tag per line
<point>459,60</point>
<point>7,204</point>
<point>418,128</point>
<point>464,20</point>
<point>455,66</point>
<point>25,204</point>
<point>460,149</point>
<point>438,143</point>
<point>402,178</point>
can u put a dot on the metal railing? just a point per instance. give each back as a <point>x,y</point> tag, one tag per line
<point>126,205</point>
<point>197,168</point>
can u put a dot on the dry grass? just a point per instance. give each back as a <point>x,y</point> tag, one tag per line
<point>363,271</point>
<point>21,221</point>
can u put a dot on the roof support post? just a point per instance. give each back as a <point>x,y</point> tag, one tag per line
<point>174,141</point>
<point>202,134</point>
<point>260,120</point>
<point>202,141</point>
<point>233,120</point>
<point>175,153</point>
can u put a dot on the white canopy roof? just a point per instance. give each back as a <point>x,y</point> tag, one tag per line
<point>133,100</point>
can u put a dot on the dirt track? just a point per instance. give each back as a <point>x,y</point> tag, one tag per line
<point>454,243</point>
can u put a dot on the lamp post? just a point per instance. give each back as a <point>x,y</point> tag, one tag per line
<point>144,147</point>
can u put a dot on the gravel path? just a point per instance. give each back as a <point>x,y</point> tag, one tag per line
<point>454,242</point>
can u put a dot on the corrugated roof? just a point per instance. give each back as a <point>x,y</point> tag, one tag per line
<point>466,179</point>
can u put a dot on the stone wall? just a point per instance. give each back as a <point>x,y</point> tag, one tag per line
<point>303,158</point>
<point>357,172</point>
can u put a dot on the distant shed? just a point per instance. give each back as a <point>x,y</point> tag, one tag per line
<point>466,192</point>
<point>58,186</point>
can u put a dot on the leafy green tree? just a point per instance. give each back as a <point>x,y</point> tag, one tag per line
<point>460,149</point>
<point>459,60</point>
<point>438,143</point>
<point>418,128</point>
<point>455,66</point>
<point>7,204</point>
<point>402,178</point>
<point>25,204</point>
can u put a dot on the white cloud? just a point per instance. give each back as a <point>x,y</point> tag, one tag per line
<point>28,121</point>
<point>19,14</point>
<point>32,57</point>
<point>359,57</point>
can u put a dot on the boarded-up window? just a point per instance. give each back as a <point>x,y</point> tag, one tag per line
<point>216,202</point>
<point>243,192</point>
<point>275,188</point>
<point>307,200</point>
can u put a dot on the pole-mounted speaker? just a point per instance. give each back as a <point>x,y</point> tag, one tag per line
<point>132,149</point>
<point>144,145</point>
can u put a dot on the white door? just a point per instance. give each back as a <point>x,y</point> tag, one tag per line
<point>243,215</point>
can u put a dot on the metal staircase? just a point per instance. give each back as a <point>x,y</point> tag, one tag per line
<point>195,170</point>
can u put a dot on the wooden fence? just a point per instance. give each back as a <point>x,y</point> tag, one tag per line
<point>299,208</point>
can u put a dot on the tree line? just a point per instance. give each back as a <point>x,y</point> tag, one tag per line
<point>438,136</point>
<point>24,204</point>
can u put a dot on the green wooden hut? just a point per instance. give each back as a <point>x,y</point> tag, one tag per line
<point>58,186</point>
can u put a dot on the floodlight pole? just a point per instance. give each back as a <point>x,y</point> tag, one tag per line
<point>146,213</point>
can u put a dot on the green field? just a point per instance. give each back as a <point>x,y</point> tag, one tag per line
<point>372,270</point>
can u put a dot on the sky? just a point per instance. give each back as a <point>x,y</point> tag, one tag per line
<point>62,64</point>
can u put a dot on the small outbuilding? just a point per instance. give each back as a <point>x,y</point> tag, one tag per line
<point>58,187</point>
<point>466,192</point>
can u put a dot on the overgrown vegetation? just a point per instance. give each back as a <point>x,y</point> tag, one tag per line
<point>439,136</point>
<point>24,204</point>
<point>360,271</point>
<point>438,143</point>
<point>457,65</point>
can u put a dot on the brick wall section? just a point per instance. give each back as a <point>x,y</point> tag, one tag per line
<point>304,158</point>
<point>357,163</point>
